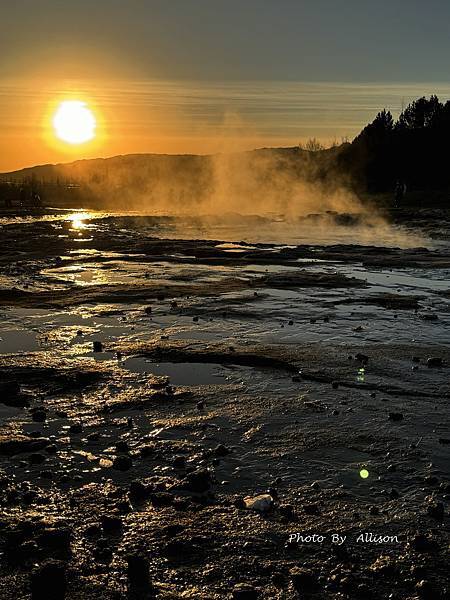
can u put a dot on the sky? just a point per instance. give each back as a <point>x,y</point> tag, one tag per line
<point>211,75</point>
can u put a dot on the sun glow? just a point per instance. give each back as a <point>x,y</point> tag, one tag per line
<point>74,122</point>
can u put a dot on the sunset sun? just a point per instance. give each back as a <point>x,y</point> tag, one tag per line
<point>74,122</point>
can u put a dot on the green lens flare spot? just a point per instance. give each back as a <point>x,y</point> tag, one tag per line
<point>364,473</point>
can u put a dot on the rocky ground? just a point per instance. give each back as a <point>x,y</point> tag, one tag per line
<point>187,418</point>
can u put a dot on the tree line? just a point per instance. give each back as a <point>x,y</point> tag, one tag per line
<point>412,149</point>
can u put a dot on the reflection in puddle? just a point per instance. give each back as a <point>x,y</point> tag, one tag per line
<point>179,373</point>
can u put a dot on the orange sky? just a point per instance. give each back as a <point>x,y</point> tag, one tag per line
<point>187,117</point>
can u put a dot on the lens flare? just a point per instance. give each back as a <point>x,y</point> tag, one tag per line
<point>364,473</point>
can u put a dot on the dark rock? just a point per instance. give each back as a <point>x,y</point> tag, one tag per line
<point>423,543</point>
<point>425,590</point>
<point>56,539</point>
<point>244,591</point>
<point>197,481</point>
<point>139,491</point>
<point>160,499</point>
<point>76,428</point>
<point>436,510</point>
<point>11,444</point>
<point>171,531</point>
<point>97,346</point>
<point>122,446</point>
<point>287,511</point>
<point>111,524</point>
<point>39,415</point>
<point>311,509</point>
<point>431,480</point>
<point>303,580</point>
<point>48,581</point>
<point>36,458</point>
<point>434,361</point>
<point>395,416</point>
<point>179,462</point>
<point>122,462</point>
<point>361,357</point>
<point>221,450</point>
<point>139,582</point>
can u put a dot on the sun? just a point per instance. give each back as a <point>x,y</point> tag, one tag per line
<point>74,122</point>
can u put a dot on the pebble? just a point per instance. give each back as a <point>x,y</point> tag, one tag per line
<point>262,503</point>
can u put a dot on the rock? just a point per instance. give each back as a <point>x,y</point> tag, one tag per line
<point>97,346</point>
<point>139,491</point>
<point>39,415</point>
<point>10,395</point>
<point>303,580</point>
<point>434,361</point>
<point>423,543</point>
<point>76,428</point>
<point>395,416</point>
<point>436,510</point>
<point>111,523</point>
<point>122,462</point>
<point>11,444</point>
<point>122,446</point>
<point>51,449</point>
<point>311,509</point>
<point>161,499</point>
<point>179,462</point>
<point>244,591</point>
<point>287,511</point>
<point>431,480</point>
<point>262,503</point>
<point>36,458</point>
<point>139,582</point>
<point>200,405</point>
<point>197,481</point>
<point>221,450</point>
<point>48,581</point>
<point>56,539</point>
<point>361,358</point>
<point>148,310</point>
<point>425,590</point>
<point>195,319</point>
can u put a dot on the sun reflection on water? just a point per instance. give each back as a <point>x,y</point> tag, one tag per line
<point>78,220</point>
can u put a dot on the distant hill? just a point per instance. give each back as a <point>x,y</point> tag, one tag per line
<point>129,181</point>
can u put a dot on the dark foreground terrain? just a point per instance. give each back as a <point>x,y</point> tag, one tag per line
<point>174,409</point>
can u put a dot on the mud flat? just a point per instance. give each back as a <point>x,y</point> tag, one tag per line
<point>222,417</point>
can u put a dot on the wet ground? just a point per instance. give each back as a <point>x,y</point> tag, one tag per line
<point>156,371</point>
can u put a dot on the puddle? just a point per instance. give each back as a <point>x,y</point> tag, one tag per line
<point>179,373</point>
<point>18,340</point>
